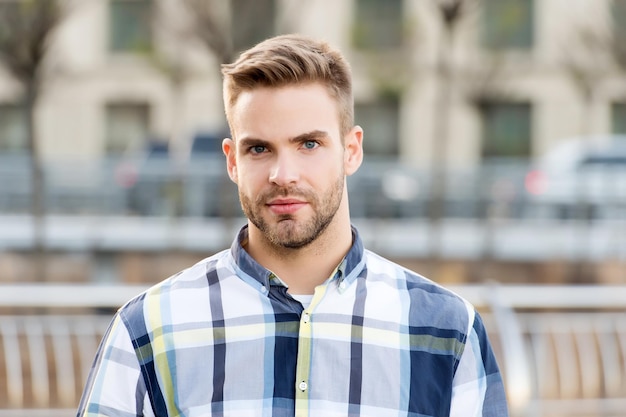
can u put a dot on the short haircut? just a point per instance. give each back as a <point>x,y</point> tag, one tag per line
<point>288,60</point>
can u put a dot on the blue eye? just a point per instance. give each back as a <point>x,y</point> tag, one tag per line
<point>257,149</point>
<point>310,144</point>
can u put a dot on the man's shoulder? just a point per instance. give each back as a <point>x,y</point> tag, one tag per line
<point>381,267</point>
<point>191,278</point>
<point>420,290</point>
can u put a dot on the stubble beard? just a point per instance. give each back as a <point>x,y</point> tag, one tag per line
<point>287,231</point>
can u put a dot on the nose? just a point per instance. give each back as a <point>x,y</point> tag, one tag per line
<point>284,170</point>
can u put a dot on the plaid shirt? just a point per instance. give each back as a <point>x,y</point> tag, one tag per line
<point>224,338</point>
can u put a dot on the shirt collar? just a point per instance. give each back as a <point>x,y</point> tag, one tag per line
<point>347,271</point>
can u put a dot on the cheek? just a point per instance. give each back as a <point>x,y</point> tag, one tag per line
<point>325,176</point>
<point>249,180</point>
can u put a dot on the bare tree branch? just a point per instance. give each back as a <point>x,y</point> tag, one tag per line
<point>586,57</point>
<point>26,27</point>
<point>210,27</point>
<point>453,12</point>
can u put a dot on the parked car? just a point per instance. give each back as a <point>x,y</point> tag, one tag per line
<point>157,186</point>
<point>581,177</point>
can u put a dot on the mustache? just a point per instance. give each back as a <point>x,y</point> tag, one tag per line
<point>294,192</point>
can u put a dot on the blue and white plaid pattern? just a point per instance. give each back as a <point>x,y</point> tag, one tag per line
<point>223,338</point>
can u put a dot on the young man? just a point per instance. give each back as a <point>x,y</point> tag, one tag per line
<point>297,318</point>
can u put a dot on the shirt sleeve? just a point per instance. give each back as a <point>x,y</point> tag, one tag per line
<point>478,390</point>
<point>115,386</point>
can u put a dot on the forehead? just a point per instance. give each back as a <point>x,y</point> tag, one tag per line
<point>283,112</point>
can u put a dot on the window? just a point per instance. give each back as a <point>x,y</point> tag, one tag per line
<point>619,18</point>
<point>508,24</point>
<point>506,130</point>
<point>379,120</point>
<point>618,116</point>
<point>378,24</point>
<point>9,11</point>
<point>13,128</point>
<point>130,25</point>
<point>619,31</point>
<point>252,22</point>
<point>127,126</point>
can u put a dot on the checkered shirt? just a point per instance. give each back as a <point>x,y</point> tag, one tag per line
<point>224,338</point>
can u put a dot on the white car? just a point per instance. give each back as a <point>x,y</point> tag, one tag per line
<point>581,176</point>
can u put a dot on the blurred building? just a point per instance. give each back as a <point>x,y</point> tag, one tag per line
<point>518,75</point>
<point>456,97</point>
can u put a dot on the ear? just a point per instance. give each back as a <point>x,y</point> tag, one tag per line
<point>230,151</point>
<point>353,150</point>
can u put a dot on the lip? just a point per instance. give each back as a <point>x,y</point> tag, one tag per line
<point>285,205</point>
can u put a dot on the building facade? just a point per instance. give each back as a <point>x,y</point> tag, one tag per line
<point>502,79</point>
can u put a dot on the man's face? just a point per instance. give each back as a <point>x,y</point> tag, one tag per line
<point>288,160</point>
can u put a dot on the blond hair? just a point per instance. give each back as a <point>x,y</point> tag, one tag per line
<point>286,60</point>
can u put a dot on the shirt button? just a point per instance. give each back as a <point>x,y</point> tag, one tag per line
<point>303,386</point>
<point>263,289</point>
<point>306,317</point>
<point>342,286</point>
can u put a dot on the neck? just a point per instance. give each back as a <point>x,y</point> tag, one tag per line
<point>303,269</point>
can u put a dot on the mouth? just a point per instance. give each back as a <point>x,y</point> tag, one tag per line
<point>282,206</point>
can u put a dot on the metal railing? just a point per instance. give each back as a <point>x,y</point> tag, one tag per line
<point>562,349</point>
<point>152,205</point>
<point>48,338</point>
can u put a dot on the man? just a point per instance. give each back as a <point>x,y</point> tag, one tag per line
<point>297,318</point>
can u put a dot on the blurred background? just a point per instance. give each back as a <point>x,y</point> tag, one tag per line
<point>495,141</point>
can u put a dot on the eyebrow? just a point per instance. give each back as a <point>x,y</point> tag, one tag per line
<point>312,135</point>
<point>315,134</point>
